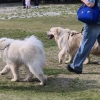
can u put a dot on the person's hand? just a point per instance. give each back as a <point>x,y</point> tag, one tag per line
<point>89,4</point>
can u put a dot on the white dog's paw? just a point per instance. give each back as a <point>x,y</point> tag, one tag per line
<point>27,80</point>
<point>86,61</point>
<point>66,62</point>
<point>60,61</point>
<point>14,80</point>
<point>44,82</point>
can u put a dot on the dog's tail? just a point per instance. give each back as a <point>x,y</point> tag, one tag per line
<point>35,41</point>
<point>82,30</point>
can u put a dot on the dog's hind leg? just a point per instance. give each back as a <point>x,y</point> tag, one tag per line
<point>29,75</point>
<point>87,60</point>
<point>5,70</point>
<point>36,69</point>
<point>69,59</point>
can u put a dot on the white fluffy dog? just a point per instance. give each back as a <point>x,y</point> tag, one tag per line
<point>28,52</point>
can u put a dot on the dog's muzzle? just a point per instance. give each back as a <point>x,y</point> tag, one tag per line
<point>50,36</point>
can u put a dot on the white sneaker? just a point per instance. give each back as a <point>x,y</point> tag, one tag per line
<point>36,7</point>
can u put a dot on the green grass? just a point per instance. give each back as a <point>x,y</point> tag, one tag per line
<point>61,84</point>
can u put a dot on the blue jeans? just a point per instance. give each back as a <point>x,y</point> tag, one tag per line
<point>90,35</point>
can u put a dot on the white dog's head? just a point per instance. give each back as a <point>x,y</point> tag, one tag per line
<point>56,32</point>
<point>5,42</point>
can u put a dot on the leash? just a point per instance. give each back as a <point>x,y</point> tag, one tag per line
<point>78,32</point>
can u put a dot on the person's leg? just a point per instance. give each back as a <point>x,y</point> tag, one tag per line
<point>36,3</point>
<point>23,1</point>
<point>89,38</point>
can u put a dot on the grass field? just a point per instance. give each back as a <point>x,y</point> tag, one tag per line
<point>61,84</point>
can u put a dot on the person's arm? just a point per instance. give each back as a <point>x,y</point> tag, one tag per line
<point>89,4</point>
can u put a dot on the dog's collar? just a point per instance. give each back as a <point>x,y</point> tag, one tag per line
<point>74,34</point>
<point>5,47</point>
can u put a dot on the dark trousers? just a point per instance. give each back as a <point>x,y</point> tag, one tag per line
<point>23,1</point>
<point>36,2</point>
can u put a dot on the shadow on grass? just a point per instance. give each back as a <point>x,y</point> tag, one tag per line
<point>94,63</point>
<point>57,85</point>
<point>96,73</point>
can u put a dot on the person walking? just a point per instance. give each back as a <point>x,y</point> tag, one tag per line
<point>27,3</point>
<point>90,35</point>
<point>36,3</point>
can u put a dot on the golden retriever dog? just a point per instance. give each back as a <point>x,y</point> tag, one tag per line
<point>28,52</point>
<point>67,45</point>
<point>68,42</point>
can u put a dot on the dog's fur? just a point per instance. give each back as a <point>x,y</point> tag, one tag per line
<point>28,52</point>
<point>68,42</point>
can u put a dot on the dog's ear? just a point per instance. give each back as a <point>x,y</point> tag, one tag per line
<point>4,43</point>
<point>58,31</point>
<point>68,31</point>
